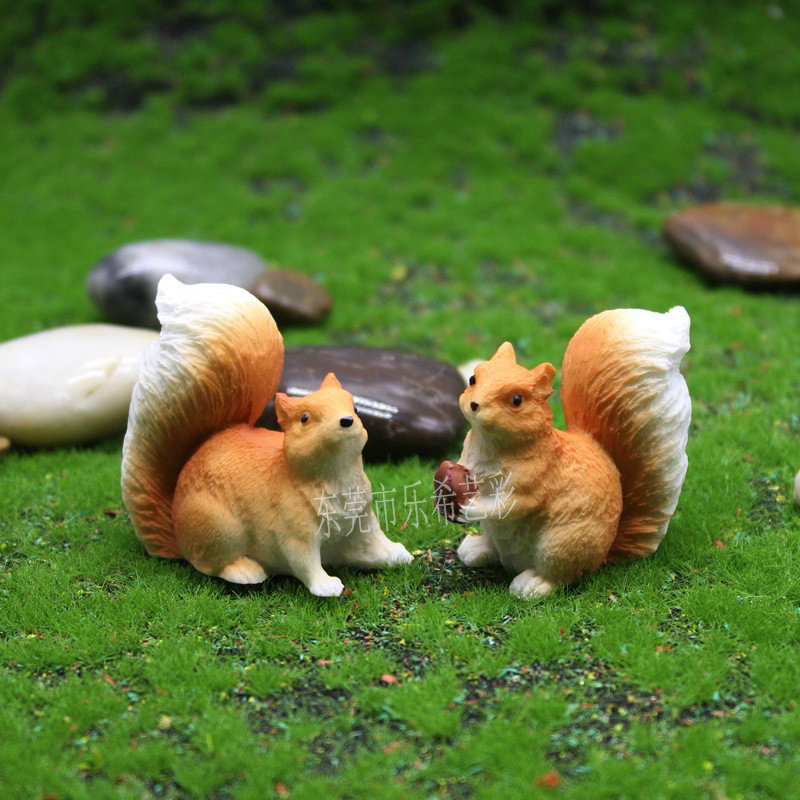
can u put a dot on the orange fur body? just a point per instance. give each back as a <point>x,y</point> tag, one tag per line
<point>202,483</point>
<point>571,500</point>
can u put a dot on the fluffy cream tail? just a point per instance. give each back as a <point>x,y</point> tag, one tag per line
<point>621,384</point>
<point>217,363</point>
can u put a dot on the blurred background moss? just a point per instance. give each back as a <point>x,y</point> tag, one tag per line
<point>307,54</point>
<point>456,174</point>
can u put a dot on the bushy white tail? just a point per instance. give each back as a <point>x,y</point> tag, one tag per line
<point>621,384</point>
<point>217,363</point>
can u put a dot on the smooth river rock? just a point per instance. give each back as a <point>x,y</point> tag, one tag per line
<point>124,283</point>
<point>408,403</point>
<point>291,296</point>
<point>739,243</point>
<point>69,385</point>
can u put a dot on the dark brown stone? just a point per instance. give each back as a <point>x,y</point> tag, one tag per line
<point>408,403</point>
<point>738,243</point>
<point>291,296</point>
<point>453,486</point>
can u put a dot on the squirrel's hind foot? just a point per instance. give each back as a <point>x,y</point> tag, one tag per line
<point>243,570</point>
<point>528,585</point>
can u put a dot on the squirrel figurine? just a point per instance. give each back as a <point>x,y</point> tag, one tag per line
<point>555,505</point>
<point>239,502</point>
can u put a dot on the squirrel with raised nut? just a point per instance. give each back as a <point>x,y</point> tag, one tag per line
<point>202,483</point>
<point>555,505</point>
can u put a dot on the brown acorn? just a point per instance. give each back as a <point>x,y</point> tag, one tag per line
<point>454,486</point>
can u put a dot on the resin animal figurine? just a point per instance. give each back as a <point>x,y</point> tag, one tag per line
<point>238,502</point>
<point>555,505</point>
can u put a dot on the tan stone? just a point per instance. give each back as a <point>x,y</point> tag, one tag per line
<point>739,243</point>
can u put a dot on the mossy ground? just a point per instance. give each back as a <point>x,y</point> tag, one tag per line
<point>500,181</point>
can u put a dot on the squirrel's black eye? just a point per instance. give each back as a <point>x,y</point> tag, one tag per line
<point>471,380</point>
<point>304,418</point>
<point>517,399</point>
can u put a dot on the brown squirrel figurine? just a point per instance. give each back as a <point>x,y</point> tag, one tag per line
<point>555,505</point>
<point>239,502</point>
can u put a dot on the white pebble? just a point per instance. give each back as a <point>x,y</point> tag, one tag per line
<point>468,368</point>
<point>69,385</point>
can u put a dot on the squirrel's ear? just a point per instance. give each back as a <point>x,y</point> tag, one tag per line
<point>283,409</point>
<point>330,382</point>
<point>542,380</point>
<point>505,353</point>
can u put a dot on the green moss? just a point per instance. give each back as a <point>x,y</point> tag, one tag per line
<point>452,188</point>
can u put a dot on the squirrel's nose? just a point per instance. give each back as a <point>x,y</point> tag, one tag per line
<point>474,406</point>
<point>346,422</point>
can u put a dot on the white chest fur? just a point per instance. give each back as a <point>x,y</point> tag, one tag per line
<point>343,506</point>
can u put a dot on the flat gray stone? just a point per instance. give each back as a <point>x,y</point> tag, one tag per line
<point>69,385</point>
<point>123,284</point>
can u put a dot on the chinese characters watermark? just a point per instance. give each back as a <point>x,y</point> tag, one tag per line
<point>351,510</point>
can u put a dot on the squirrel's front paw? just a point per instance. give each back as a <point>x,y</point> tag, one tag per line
<point>400,555</point>
<point>477,551</point>
<point>328,586</point>
<point>528,585</point>
<point>471,512</point>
